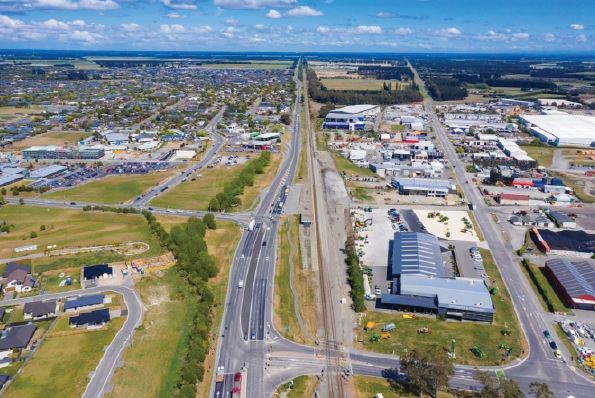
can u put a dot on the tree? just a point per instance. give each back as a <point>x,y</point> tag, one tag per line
<point>209,220</point>
<point>42,227</point>
<point>540,390</point>
<point>285,119</point>
<point>494,388</point>
<point>428,369</point>
<point>33,234</point>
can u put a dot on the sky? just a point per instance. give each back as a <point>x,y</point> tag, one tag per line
<point>301,25</point>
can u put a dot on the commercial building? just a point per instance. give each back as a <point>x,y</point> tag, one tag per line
<point>351,117</point>
<point>562,220</point>
<point>55,152</point>
<point>574,282</point>
<point>513,199</point>
<point>420,285</point>
<point>422,186</point>
<point>562,128</point>
<point>48,171</point>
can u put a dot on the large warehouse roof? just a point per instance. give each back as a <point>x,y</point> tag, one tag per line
<point>416,253</point>
<point>577,277</point>
<point>568,128</point>
<point>451,293</point>
<point>355,109</point>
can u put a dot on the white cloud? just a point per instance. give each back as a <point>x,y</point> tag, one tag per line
<point>323,29</point>
<point>253,4</point>
<point>55,24</point>
<point>450,32</point>
<point>404,31</point>
<point>179,5</point>
<point>577,26</point>
<point>174,28</point>
<point>202,29</point>
<point>73,5</point>
<point>304,11</point>
<point>519,36</point>
<point>129,27</point>
<point>369,29</point>
<point>8,22</point>
<point>273,14</point>
<point>85,37</point>
<point>386,14</point>
<point>259,26</point>
<point>549,37</point>
<point>581,38</point>
<point>175,15</point>
<point>232,21</point>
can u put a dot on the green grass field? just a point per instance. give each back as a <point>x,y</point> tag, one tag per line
<point>543,155</point>
<point>155,354</point>
<point>285,319</point>
<point>368,387</point>
<point>112,189</point>
<point>71,228</point>
<point>359,84</point>
<point>486,336</point>
<point>196,195</point>
<point>302,386</point>
<point>51,138</point>
<point>62,363</point>
<point>346,167</point>
<point>548,289</point>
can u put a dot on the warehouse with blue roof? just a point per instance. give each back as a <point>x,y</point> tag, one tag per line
<point>420,283</point>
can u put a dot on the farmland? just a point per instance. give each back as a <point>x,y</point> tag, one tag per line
<point>359,84</point>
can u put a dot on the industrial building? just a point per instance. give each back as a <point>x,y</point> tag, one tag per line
<point>351,117</point>
<point>55,152</point>
<point>574,282</point>
<point>420,284</point>
<point>422,186</point>
<point>48,171</point>
<point>561,128</point>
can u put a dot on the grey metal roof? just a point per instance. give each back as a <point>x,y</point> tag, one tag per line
<point>422,183</point>
<point>416,253</point>
<point>451,293</point>
<point>40,308</point>
<point>47,171</point>
<point>577,277</point>
<point>17,337</point>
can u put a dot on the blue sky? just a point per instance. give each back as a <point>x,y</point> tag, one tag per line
<point>298,25</point>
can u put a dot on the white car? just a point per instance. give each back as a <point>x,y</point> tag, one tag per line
<point>267,259</point>
<point>241,284</point>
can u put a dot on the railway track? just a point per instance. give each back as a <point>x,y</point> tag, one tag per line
<point>332,348</point>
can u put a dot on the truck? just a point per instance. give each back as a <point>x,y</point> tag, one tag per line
<point>220,374</point>
<point>472,206</point>
<point>252,225</point>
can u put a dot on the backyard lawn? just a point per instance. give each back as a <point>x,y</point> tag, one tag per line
<point>487,337</point>
<point>111,189</point>
<point>71,228</point>
<point>61,365</point>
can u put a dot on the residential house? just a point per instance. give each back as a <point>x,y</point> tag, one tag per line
<point>17,278</point>
<point>40,310</point>
<point>16,337</point>
<point>84,302</point>
<point>94,318</point>
<point>99,271</point>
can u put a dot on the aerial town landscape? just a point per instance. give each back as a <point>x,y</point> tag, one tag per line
<point>295,219</point>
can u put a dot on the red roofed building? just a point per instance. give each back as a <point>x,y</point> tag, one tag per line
<point>513,199</point>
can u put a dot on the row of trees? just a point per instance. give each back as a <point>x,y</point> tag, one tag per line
<point>194,266</point>
<point>386,72</point>
<point>429,369</point>
<point>445,89</point>
<point>229,198</point>
<point>318,92</point>
<point>355,276</point>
